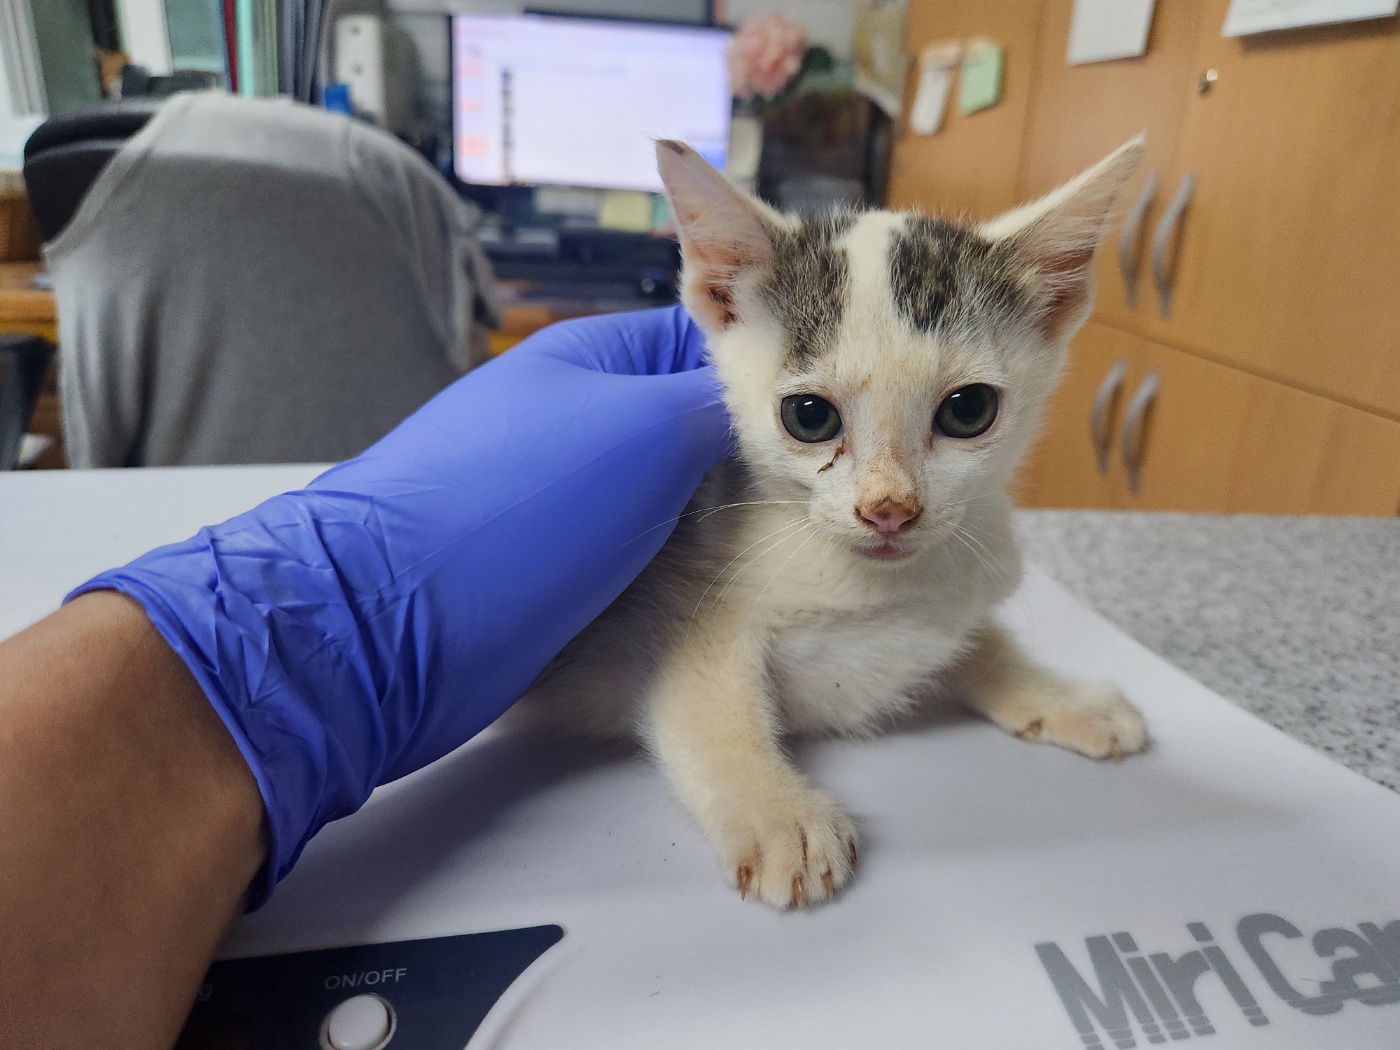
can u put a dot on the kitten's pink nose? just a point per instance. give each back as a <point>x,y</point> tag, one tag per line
<point>890,515</point>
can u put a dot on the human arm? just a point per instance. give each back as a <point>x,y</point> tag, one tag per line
<point>132,827</point>
<point>348,633</point>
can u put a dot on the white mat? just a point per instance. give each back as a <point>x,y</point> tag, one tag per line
<point>977,849</point>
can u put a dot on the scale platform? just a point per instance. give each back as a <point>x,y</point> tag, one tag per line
<point>1230,888</point>
<point>1230,885</point>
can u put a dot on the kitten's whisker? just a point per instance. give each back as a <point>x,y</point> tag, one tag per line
<point>807,523</point>
<point>1005,576</point>
<point>993,569</point>
<point>968,533</point>
<point>965,532</point>
<point>1001,572</point>
<point>964,502</point>
<point>804,522</point>
<point>719,575</point>
<point>972,532</point>
<point>811,536</point>
<point>707,511</point>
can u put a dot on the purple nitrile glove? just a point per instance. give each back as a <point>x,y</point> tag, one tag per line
<point>358,629</point>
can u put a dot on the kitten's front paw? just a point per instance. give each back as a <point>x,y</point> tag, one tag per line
<point>1093,718</point>
<point>789,851</point>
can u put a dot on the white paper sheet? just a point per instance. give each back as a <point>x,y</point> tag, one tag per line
<point>1010,896</point>
<point>1103,29</point>
<point>937,64</point>
<point>1263,16</point>
<point>994,874</point>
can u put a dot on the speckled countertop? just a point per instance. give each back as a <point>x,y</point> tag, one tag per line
<point>1295,619</point>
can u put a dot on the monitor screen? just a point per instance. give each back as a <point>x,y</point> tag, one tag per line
<point>539,99</point>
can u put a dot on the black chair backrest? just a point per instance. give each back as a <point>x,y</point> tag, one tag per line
<point>66,153</point>
<point>24,359</point>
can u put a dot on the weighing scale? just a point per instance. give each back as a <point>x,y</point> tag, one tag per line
<point>1230,885</point>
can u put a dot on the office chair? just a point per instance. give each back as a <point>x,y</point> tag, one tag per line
<point>66,153</point>
<point>248,281</point>
<point>24,360</point>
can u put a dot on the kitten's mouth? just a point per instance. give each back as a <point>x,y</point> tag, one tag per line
<point>886,550</point>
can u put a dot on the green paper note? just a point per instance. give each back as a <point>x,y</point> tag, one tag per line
<point>979,86</point>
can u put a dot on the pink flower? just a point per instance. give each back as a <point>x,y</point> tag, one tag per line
<point>765,55</point>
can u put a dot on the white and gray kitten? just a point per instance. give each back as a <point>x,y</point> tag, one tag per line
<point>885,373</point>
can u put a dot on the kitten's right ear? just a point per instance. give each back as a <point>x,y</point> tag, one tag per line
<point>723,233</point>
<point>1055,237</point>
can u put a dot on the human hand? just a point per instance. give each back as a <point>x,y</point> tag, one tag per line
<point>356,630</point>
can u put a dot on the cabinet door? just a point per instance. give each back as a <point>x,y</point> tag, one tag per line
<point>1289,254</point>
<point>1219,439</point>
<point>1080,113</point>
<point>970,165</point>
<point>1062,468</point>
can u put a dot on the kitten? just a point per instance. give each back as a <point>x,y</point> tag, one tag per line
<point>884,373</point>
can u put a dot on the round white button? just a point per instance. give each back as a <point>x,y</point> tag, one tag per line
<point>363,1023</point>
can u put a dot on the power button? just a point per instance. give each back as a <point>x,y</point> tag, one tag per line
<point>365,1022</point>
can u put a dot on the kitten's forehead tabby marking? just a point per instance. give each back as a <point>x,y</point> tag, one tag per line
<point>941,274</point>
<point>946,275</point>
<point>808,284</point>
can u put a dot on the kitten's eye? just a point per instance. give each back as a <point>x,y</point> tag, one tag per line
<point>810,418</point>
<point>967,412</point>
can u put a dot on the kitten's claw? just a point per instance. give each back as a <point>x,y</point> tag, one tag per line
<point>1093,718</point>
<point>789,850</point>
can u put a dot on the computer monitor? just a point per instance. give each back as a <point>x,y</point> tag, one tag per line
<point>542,99</point>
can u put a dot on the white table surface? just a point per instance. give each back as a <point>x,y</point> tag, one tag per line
<point>978,847</point>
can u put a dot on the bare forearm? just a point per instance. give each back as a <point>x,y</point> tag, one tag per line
<point>130,828</point>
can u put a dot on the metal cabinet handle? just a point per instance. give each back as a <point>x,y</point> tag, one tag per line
<point>1128,239</point>
<point>1137,408</point>
<point>1098,417</point>
<point>1162,242</point>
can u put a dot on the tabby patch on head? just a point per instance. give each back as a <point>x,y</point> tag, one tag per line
<point>940,271</point>
<point>807,284</point>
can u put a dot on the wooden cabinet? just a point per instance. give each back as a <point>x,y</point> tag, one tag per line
<point>1285,260</point>
<point>1063,468</point>
<point>1211,438</point>
<point>1078,114</point>
<point>1219,439</point>
<point>1289,257</point>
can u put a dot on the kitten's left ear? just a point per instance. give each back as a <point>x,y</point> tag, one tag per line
<point>1055,237</point>
<point>724,233</point>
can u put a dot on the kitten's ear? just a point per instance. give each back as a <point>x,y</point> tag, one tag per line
<point>722,233</point>
<point>1055,237</point>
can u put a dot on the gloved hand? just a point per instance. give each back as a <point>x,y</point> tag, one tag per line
<point>356,630</point>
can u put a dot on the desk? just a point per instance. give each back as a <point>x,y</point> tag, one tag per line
<point>979,849</point>
<point>27,310</point>
<point>22,307</point>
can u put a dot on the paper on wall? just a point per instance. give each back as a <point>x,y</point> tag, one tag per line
<point>979,82</point>
<point>1264,16</point>
<point>1103,29</point>
<point>936,66</point>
